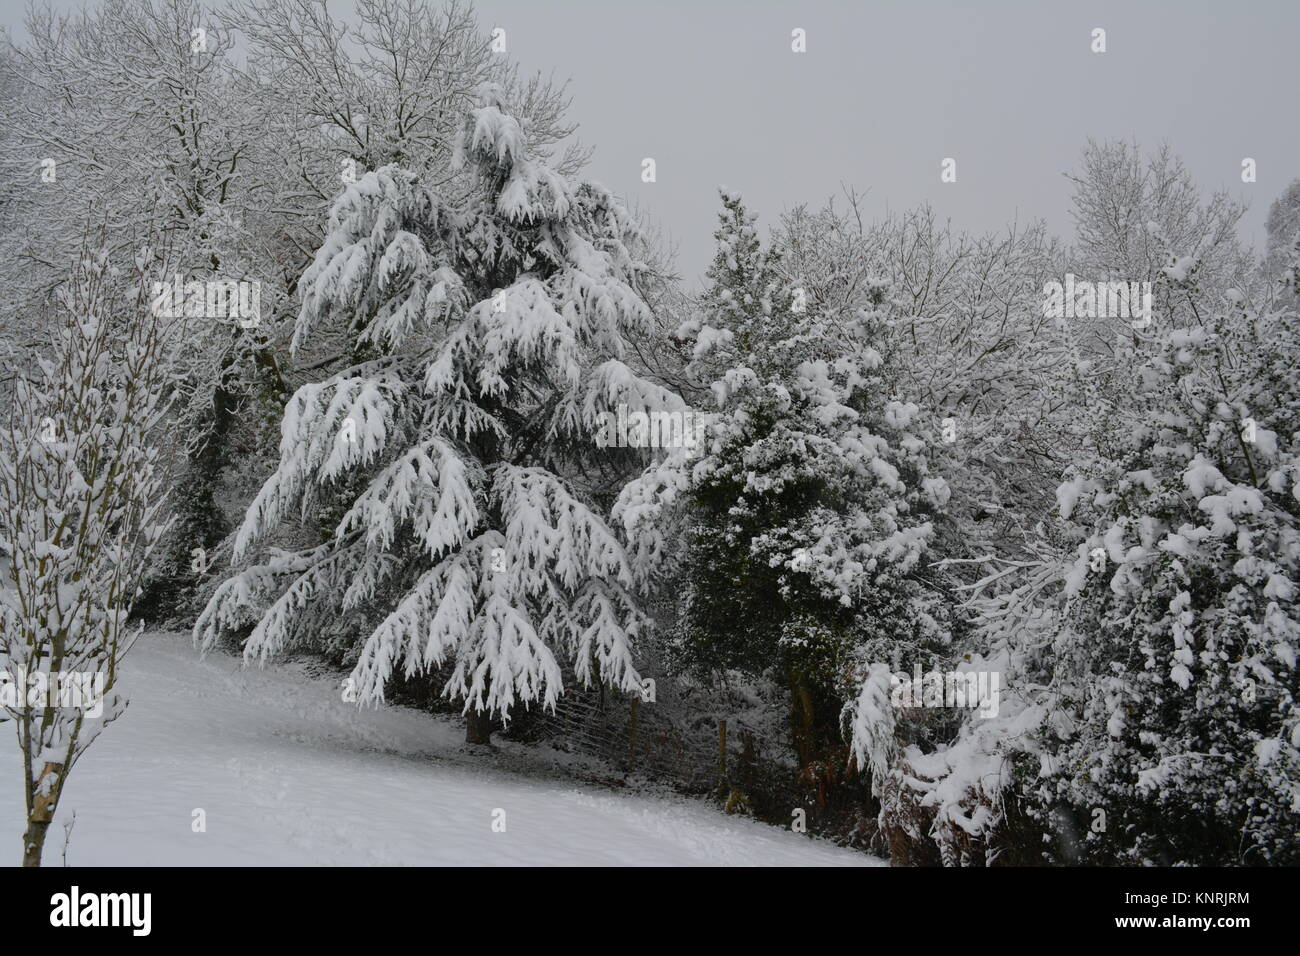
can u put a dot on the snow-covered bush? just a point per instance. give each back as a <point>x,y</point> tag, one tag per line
<point>1177,656</point>
<point>1148,642</point>
<point>1145,635</point>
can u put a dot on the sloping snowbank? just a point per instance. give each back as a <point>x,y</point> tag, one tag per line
<point>288,774</point>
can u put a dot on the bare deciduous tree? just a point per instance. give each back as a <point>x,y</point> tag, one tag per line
<point>82,490</point>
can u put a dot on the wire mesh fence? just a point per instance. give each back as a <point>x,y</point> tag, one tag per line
<point>697,738</point>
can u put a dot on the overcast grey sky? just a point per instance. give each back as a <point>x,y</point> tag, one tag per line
<point>712,91</point>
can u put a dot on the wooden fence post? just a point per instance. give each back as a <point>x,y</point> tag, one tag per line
<point>631,734</point>
<point>722,753</point>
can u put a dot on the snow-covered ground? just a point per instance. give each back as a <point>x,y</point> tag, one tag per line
<point>289,774</point>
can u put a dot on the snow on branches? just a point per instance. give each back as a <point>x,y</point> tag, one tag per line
<point>82,493</point>
<point>489,317</point>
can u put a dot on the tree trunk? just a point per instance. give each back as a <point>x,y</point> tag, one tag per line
<point>801,718</point>
<point>478,727</point>
<point>722,756</point>
<point>38,824</point>
<point>34,842</point>
<point>631,733</point>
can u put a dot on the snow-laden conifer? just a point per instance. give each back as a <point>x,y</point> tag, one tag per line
<point>450,465</point>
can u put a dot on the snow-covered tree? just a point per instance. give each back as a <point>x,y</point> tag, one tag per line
<point>1280,257</point>
<point>81,496</point>
<point>806,515</point>
<point>1147,637</point>
<point>138,109</point>
<point>1177,661</point>
<point>153,125</point>
<point>971,344</point>
<point>967,340</point>
<point>448,468</point>
<point>385,86</point>
<point>1118,195</point>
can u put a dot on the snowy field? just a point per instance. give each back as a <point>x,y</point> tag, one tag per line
<point>288,774</point>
